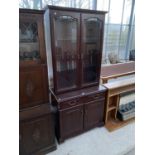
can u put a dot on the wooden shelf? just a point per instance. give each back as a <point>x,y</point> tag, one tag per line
<point>112,108</point>
<point>113,124</point>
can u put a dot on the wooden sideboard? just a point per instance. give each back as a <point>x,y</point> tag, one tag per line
<point>78,111</point>
<point>112,102</point>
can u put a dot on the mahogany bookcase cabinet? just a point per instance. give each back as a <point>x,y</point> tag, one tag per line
<point>36,124</point>
<point>74,40</point>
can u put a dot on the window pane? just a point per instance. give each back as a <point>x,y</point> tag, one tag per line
<point>112,38</point>
<point>123,42</point>
<point>127,11</point>
<point>115,13</point>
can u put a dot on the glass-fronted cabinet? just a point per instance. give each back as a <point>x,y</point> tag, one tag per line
<point>76,46</point>
<point>91,42</point>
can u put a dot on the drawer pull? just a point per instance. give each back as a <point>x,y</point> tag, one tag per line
<point>72,103</point>
<point>97,96</point>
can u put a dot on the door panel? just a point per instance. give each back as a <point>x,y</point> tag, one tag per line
<point>91,42</point>
<point>33,86</point>
<point>66,48</point>
<point>93,113</point>
<point>36,134</point>
<point>71,121</point>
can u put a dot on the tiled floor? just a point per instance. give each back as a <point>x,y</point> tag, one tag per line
<point>99,141</point>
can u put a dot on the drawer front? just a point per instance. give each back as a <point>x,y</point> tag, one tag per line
<point>37,134</point>
<point>33,86</point>
<point>93,97</point>
<point>81,100</point>
<point>70,103</point>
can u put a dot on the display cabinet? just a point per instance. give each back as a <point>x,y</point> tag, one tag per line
<point>74,40</point>
<point>37,134</point>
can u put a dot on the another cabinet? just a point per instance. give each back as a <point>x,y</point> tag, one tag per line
<point>36,117</point>
<point>74,40</point>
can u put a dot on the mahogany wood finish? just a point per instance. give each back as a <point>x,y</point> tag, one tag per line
<point>112,102</point>
<point>78,111</point>
<point>36,116</point>
<point>33,86</point>
<point>74,40</point>
<point>37,130</point>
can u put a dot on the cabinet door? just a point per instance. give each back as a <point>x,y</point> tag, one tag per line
<point>91,44</point>
<point>93,114</point>
<point>71,121</point>
<point>37,134</point>
<point>65,49</point>
<point>33,86</point>
<point>31,39</point>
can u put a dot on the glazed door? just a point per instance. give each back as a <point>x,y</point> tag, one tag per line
<point>31,39</point>
<point>91,48</point>
<point>65,49</point>
<point>71,121</point>
<point>93,113</point>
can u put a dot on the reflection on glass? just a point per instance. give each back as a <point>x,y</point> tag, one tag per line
<point>66,50</point>
<point>28,41</point>
<point>91,50</point>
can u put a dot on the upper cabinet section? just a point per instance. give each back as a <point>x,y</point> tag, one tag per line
<point>76,37</point>
<point>31,37</point>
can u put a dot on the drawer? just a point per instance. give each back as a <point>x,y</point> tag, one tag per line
<point>70,103</point>
<point>81,100</point>
<point>93,97</point>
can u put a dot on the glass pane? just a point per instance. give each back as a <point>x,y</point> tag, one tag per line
<point>66,50</point>
<point>28,41</point>
<point>91,49</point>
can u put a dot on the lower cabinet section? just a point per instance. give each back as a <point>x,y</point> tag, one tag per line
<point>93,114</point>
<point>37,135</point>
<point>71,121</point>
<point>77,119</point>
